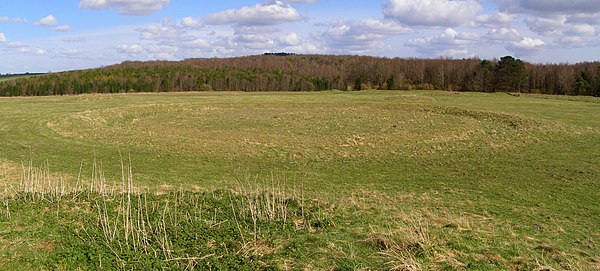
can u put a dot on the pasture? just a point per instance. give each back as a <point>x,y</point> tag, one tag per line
<point>16,76</point>
<point>411,180</point>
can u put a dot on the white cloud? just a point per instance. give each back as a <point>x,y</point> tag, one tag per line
<point>495,19</point>
<point>449,37</point>
<point>386,28</point>
<point>14,45</point>
<point>2,37</point>
<point>546,25</point>
<point>268,13</point>
<point>49,20</point>
<point>254,30</point>
<point>63,28</point>
<point>560,6</point>
<point>18,20</point>
<point>197,43</point>
<point>432,12</point>
<point>582,18</point>
<point>566,34</point>
<point>448,43</point>
<point>23,50</point>
<point>161,52</point>
<point>581,30</point>
<point>572,41</point>
<point>40,52</point>
<point>503,34</point>
<point>69,53</point>
<point>526,46</point>
<point>14,20</point>
<point>130,48</point>
<point>166,31</point>
<point>254,42</point>
<point>360,35</point>
<point>190,22</point>
<point>291,39</point>
<point>127,7</point>
<point>569,22</point>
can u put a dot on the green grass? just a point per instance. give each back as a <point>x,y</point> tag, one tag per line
<point>15,76</point>
<point>407,180</point>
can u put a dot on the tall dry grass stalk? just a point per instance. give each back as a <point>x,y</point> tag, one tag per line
<point>39,183</point>
<point>266,201</point>
<point>129,222</point>
<point>401,247</point>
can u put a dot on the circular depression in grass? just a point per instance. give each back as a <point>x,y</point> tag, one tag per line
<point>290,130</point>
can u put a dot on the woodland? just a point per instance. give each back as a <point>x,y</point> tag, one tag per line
<point>290,72</point>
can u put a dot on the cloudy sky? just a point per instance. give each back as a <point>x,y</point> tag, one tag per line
<point>43,35</point>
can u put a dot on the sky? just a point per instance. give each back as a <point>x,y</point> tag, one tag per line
<point>58,35</point>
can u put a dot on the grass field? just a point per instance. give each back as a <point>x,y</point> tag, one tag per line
<point>382,180</point>
<point>16,76</point>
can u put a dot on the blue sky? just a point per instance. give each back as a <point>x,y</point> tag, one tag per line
<point>53,35</point>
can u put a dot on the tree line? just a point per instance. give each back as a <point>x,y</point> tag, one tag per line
<point>288,72</point>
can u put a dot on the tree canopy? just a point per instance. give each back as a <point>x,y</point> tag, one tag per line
<point>288,72</point>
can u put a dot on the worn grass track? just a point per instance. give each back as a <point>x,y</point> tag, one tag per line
<point>411,180</point>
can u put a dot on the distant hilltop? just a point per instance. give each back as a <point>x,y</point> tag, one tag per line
<point>17,75</point>
<point>279,54</point>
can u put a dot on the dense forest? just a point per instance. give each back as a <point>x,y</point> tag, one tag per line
<point>289,72</point>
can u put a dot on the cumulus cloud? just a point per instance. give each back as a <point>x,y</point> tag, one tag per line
<point>566,33</point>
<point>503,34</point>
<point>157,32</point>
<point>69,53</point>
<point>449,37</point>
<point>449,43</point>
<point>268,13</point>
<point>161,52</point>
<point>361,35</point>
<point>582,18</point>
<point>254,30</point>
<point>546,25</point>
<point>23,50</point>
<point>526,46</point>
<point>432,12</point>
<point>167,30</point>
<point>572,42</point>
<point>196,44</point>
<point>131,49</point>
<point>495,19</point>
<point>63,28</point>
<point>40,52</point>
<point>568,22</point>
<point>49,20</point>
<point>254,42</point>
<point>378,27</point>
<point>127,7</point>
<point>581,30</point>
<point>291,39</point>
<point>13,45</point>
<point>190,22</point>
<point>560,6</point>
